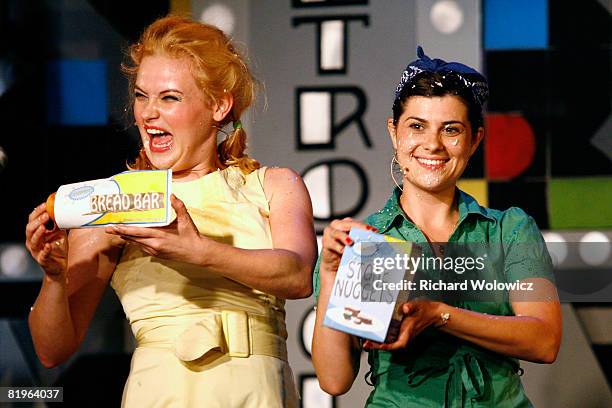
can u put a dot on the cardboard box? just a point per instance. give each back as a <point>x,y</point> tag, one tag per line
<point>360,303</point>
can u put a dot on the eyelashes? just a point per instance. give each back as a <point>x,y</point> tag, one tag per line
<point>452,130</point>
<point>165,98</point>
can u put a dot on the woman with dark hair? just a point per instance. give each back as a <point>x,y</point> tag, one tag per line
<point>451,352</point>
<point>204,295</point>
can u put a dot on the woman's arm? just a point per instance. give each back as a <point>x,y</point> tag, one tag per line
<point>284,271</point>
<point>533,334</point>
<point>335,355</point>
<point>77,269</point>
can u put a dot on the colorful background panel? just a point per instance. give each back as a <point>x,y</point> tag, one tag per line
<point>580,202</point>
<point>549,100</point>
<point>515,24</point>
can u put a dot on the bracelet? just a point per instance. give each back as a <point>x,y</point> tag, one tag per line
<point>444,317</point>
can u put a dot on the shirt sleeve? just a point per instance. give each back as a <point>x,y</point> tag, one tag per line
<point>526,254</point>
<point>316,281</point>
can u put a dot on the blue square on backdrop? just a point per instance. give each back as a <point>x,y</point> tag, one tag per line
<point>515,24</point>
<point>77,93</point>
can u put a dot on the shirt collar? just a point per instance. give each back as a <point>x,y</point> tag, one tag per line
<point>384,219</point>
<point>468,205</point>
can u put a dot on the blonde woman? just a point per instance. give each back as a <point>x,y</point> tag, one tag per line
<point>205,295</point>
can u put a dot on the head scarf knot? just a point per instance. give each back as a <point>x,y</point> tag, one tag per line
<point>472,79</point>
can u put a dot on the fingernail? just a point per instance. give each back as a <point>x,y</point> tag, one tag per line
<point>348,241</point>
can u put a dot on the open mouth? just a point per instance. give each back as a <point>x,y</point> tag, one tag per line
<point>431,164</point>
<point>159,140</point>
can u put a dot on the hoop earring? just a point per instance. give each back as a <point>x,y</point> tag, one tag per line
<point>393,161</point>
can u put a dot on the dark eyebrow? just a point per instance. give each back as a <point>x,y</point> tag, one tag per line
<point>416,118</point>
<point>450,122</point>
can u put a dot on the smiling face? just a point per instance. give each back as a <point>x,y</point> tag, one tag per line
<point>174,118</point>
<point>434,141</point>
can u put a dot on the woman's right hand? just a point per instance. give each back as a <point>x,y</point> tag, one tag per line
<point>335,238</point>
<point>48,247</point>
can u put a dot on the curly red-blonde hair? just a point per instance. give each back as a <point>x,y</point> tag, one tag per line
<point>217,68</point>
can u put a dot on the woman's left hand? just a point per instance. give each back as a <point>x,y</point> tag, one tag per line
<point>418,315</point>
<point>178,241</point>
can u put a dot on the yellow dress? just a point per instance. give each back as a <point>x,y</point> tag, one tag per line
<point>204,340</point>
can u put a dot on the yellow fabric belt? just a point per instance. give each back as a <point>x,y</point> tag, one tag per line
<point>236,333</point>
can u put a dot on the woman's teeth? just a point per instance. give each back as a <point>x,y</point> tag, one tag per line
<point>431,162</point>
<point>161,142</point>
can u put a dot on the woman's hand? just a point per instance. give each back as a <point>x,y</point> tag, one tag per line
<point>418,315</point>
<point>48,247</point>
<point>177,241</point>
<point>335,238</point>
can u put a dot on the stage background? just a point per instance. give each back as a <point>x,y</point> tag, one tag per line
<point>328,70</point>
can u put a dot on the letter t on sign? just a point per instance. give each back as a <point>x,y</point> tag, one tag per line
<point>332,40</point>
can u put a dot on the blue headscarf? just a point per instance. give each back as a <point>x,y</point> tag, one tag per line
<point>472,79</point>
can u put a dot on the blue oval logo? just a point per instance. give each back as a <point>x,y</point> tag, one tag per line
<point>81,193</point>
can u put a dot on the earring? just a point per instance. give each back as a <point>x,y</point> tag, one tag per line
<point>393,161</point>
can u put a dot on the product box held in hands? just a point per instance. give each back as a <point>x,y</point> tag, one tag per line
<point>371,285</point>
<point>140,198</point>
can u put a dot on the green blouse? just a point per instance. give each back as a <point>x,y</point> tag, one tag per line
<point>440,370</point>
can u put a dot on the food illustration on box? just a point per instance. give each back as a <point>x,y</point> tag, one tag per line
<point>371,285</point>
<point>140,198</point>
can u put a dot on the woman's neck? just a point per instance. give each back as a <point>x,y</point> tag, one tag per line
<point>208,162</point>
<point>435,213</point>
<point>197,171</point>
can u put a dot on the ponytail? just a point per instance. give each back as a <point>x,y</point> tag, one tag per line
<point>232,151</point>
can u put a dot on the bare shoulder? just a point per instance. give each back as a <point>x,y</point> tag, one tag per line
<point>276,175</point>
<point>282,180</point>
